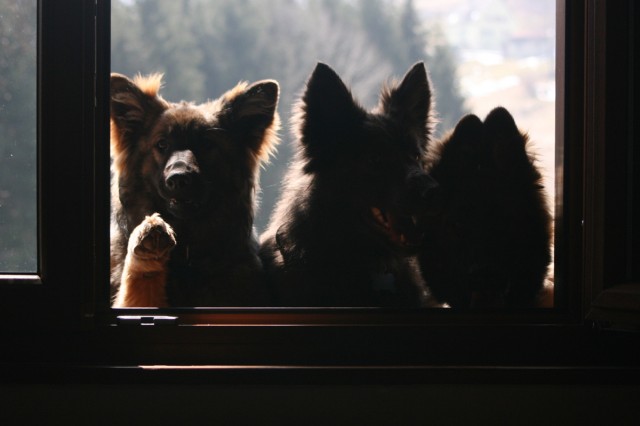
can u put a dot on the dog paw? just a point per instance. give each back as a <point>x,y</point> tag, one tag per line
<point>153,239</point>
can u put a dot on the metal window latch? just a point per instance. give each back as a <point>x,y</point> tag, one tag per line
<point>146,320</point>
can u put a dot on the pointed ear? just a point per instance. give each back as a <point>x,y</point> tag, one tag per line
<point>469,129</point>
<point>467,136</point>
<point>327,104</point>
<point>257,102</point>
<point>133,106</point>
<point>461,149</point>
<point>499,122</point>
<point>504,141</point>
<point>325,117</point>
<point>410,102</point>
<point>252,110</point>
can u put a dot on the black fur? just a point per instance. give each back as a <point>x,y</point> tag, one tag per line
<point>487,240</point>
<point>324,245</point>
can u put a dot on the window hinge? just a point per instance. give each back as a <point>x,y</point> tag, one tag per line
<point>146,320</point>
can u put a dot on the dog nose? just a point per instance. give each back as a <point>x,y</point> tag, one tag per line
<point>177,181</point>
<point>180,170</point>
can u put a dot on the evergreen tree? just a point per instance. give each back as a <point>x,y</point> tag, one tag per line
<point>440,60</point>
<point>449,101</point>
<point>128,52</point>
<point>380,26</point>
<point>204,48</point>
<point>413,37</point>
<point>171,47</point>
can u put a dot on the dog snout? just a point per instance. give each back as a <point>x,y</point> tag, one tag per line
<point>180,170</point>
<point>178,181</point>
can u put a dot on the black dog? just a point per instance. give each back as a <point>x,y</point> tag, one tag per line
<point>342,232</point>
<point>487,240</point>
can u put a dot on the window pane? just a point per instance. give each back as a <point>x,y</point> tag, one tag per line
<point>480,54</point>
<point>506,53</point>
<point>18,189</point>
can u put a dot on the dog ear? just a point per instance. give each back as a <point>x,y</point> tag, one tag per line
<point>257,102</point>
<point>410,102</point>
<point>133,105</point>
<point>326,114</point>
<point>505,143</point>
<point>327,100</point>
<point>499,122</point>
<point>461,150</point>
<point>252,110</point>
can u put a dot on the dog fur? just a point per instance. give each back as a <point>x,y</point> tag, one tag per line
<point>488,237</point>
<point>184,184</point>
<point>342,232</point>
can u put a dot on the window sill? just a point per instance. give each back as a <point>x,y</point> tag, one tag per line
<point>47,373</point>
<point>618,306</point>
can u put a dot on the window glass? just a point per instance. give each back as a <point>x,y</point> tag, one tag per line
<point>480,54</point>
<point>506,56</point>
<point>18,135</point>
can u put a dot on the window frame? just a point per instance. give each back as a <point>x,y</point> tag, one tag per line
<point>68,308</point>
<point>566,314</point>
<point>65,196</point>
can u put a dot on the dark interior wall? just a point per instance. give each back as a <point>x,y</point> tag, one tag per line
<point>475,404</point>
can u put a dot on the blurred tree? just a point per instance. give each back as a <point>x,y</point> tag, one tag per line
<point>449,100</point>
<point>433,48</point>
<point>171,47</point>
<point>412,34</point>
<point>128,54</point>
<point>204,48</point>
<point>18,157</point>
<point>379,22</point>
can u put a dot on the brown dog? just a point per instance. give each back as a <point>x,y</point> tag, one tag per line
<point>184,179</point>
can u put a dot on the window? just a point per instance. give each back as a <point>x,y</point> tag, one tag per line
<point>65,123</point>
<point>478,58</point>
<point>18,160</point>
<point>69,310</point>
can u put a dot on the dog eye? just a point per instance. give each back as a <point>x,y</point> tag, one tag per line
<point>162,145</point>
